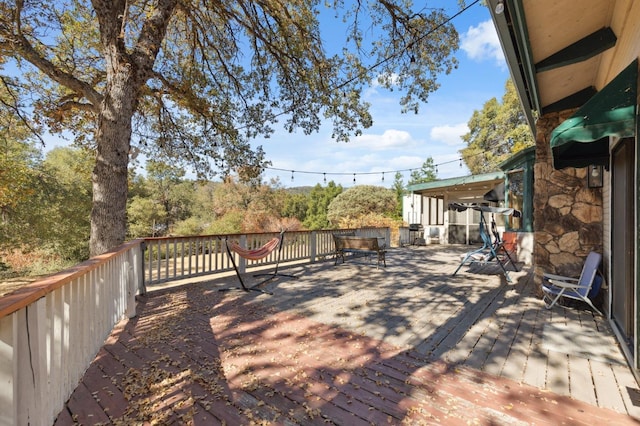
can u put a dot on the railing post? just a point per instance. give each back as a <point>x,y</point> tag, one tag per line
<point>133,281</point>
<point>242,264</point>
<point>313,249</point>
<point>142,288</point>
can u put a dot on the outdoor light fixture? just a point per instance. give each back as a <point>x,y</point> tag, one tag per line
<point>499,7</point>
<point>594,176</point>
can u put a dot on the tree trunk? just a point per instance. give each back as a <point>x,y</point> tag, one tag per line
<point>110,177</point>
<point>126,72</point>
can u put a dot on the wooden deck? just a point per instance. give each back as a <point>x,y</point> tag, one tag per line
<point>351,344</point>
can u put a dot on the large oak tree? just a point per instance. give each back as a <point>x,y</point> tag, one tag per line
<point>193,81</point>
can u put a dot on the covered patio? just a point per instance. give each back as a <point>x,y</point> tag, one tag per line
<point>351,344</point>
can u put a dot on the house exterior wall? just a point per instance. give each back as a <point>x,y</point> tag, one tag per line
<point>526,244</point>
<point>568,216</point>
<point>412,208</point>
<point>429,212</point>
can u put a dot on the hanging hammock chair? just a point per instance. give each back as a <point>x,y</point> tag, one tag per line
<point>256,254</point>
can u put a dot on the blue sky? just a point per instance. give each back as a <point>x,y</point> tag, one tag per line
<point>402,141</point>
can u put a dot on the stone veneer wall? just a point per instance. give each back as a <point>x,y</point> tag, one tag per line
<point>567,214</point>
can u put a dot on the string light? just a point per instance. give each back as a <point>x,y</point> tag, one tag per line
<point>355,174</point>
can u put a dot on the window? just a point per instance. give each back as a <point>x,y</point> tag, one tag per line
<point>434,214</point>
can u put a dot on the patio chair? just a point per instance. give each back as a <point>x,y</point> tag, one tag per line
<point>583,288</point>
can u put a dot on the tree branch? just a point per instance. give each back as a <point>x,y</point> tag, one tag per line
<point>16,110</point>
<point>152,34</point>
<point>18,43</point>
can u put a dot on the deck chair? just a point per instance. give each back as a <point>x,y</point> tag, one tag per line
<point>583,288</point>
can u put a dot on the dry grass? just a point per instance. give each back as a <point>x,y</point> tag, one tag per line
<point>19,268</point>
<point>10,285</point>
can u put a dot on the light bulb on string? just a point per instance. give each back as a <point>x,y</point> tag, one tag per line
<point>402,172</point>
<point>413,65</point>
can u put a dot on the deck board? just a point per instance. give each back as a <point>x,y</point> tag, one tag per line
<point>352,344</point>
<point>581,381</point>
<point>608,391</point>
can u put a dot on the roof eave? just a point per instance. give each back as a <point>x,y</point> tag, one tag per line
<point>456,181</point>
<point>514,39</point>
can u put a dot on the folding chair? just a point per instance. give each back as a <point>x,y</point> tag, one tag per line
<point>583,288</point>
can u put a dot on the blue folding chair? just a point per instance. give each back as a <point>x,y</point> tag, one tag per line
<point>584,288</point>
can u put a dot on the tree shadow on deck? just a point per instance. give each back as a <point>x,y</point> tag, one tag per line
<point>346,344</point>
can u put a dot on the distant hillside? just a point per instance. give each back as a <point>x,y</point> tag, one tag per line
<point>299,190</point>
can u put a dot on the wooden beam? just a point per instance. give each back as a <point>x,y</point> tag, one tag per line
<point>575,100</point>
<point>581,50</point>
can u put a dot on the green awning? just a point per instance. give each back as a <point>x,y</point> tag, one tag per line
<point>583,138</point>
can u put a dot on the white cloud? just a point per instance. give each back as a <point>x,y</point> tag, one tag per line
<point>392,77</point>
<point>374,86</point>
<point>390,139</point>
<point>450,135</point>
<point>481,43</point>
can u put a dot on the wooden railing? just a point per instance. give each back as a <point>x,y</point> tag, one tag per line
<point>52,329</point>
<point>176,258</point>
